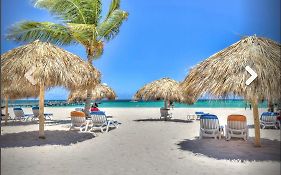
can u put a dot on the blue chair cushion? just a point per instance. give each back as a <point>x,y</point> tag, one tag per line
<point>269,113</point>
<point>208,116</point>
<point>17,109</point>
<point>35,107</point>
<point>97,113</point>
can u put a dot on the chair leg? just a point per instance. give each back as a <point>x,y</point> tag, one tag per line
<point>245,137</point>
<point>216,135</point>
<point>228,137</point>
<point>101,128</point>
<point>115,124</point>
<point>107,127</point>
<point>82,128</point>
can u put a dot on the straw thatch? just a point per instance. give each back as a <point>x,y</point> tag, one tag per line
<point>18,93</point>
<point>163,89</point>
<point>53,66</point>
<point>101,91</point>
<point>224,72</point>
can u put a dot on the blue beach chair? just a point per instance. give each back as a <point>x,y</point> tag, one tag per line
<point>269,119</point>
<point>210,127</point>
<point>35,111</point>
<point>199,114</point>
<point>100,121</point>
<point>19,114</point>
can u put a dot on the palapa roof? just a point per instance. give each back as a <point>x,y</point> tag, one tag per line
<point>18,93</point>
<point>224,73</point>
<point>163,89</point>
<point>101,91</point>
<point>54,66</point>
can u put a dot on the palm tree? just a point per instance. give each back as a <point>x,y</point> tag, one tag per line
<point>80,23</point>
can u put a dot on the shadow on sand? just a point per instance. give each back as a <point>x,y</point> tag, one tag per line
<point>25,123</point>
<point>56,137</point>
<point>235,149</point>
<point>162,120</point>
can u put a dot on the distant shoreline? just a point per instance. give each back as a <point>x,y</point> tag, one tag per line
<point>201,103</point>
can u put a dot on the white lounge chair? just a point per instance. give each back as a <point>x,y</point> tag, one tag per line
<point>101,122</point>
<point>236,127</point>
<point>209,126</point>
<point>78,120</point>
<point>269,119</point>
<point>35,111</point>
<point>165,114</point>
<point>19,114</point>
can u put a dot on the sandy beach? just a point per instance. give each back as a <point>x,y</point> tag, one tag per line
<point>141,145</point>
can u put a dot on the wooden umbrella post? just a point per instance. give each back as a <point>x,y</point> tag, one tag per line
<point>256,123</point>
<point>41,112</point>
<point>165,104</point>
<point>88,102</point>
<point>6,110</point>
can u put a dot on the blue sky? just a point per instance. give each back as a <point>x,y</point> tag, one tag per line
<point>161,38</point>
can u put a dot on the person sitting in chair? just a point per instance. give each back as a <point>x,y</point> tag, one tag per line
<point>94,107</point>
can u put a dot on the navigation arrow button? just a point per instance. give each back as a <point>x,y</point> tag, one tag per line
<point>253,75</point>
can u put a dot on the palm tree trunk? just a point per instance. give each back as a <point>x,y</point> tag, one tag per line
<point>41,112</point>
<point>89,90</point>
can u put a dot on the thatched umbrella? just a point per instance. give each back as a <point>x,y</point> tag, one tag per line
<point>101,91</point>
<point>50,65</point>
<point>164,89</point>
<point>224,73</point>
<point>16,92</point>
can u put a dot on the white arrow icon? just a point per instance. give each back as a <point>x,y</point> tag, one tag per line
<point>29,77</point>
<point>253,75</point>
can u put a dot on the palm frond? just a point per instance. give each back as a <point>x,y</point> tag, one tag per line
<point>95,16</point>
<point>74,11</point>
<point>115,4</point>
<point>109,28</point>
<point>83,33</point>
<point>45,31</point>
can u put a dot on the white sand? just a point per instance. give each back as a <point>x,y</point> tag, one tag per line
<point>136,147</point>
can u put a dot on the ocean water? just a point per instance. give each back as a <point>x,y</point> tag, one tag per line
<point>226,103</point>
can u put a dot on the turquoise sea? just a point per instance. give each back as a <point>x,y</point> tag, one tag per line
<point>225,103</point>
